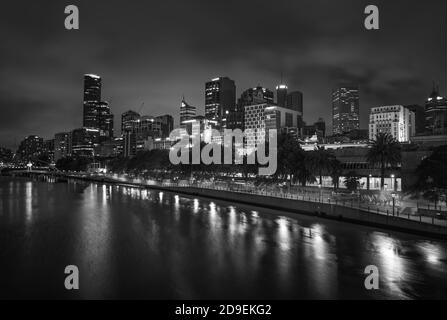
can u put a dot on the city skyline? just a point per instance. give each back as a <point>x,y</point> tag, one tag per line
<point>313,58</point>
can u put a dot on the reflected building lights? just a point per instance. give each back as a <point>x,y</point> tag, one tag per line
<point>196,205</point>
<point>29,201</point>
<point>160,196</point>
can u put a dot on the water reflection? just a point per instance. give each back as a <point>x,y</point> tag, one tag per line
<point>137,243</point>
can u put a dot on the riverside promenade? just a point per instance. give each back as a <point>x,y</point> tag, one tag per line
<point>308,203</point>
<point>347,211</point>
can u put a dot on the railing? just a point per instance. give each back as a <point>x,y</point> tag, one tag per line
<point>379,209</point>
<point>317,196</point>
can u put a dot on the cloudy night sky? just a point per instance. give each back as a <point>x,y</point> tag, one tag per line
<point>156,51</point>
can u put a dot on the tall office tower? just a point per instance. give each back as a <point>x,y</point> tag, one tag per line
<point>31,148</point>
<point>48,146</point>
<point>254,96</point>
<point>419,114</point>
<point>62,145</point>
<point>84,141</point>
<point>92,97</point>
<point>251,96</point>
<point>436,113</point>
<point>220,99</point>
<point>398,121</point>
<point>129,121</point>
<point>187,112</point>
<point>320,127</point>
<point>166,123</point>
<point>345,109</point>
<point>294,101</point>
<point>105,121</point>
<point>263,117</point>
<point>281,95</point>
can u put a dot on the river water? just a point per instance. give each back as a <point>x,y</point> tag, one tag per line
<point>134,243</point>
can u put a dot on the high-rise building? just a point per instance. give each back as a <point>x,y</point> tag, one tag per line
<point>31,148</point>
<point>166,125</point>
<point>84,141</point>
<point>48,146</point>
<point>259,119</point>
<point>436,113</point>
<point>105,121</point>
<point>397,121</point>
<point>62,145</point>
<point>187,112</point>
<point>320,126</point>
<point>92,97</point>
<point>251,96</point>
<point>6,155</point>
<point>129,144</point>
<point>281,95</point>
<point>345,109</point>
<point>294,101</point>
<point>257,95</point>
<point>129,121</point>
<point>419,115</point>
<point>220,100</point>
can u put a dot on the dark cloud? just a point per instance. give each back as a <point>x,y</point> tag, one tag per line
<point>156,51</point>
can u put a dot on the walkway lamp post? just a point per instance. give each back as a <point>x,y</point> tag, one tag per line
<point>394,195</point>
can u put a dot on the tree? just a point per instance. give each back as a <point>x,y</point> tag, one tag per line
<point>432,176</point>
<point>335,171</point>
<point>352,181</point>
<point>384,151</point>
<point>321,162</point>
<point>290,159</point>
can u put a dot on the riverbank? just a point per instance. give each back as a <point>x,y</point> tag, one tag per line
<point>331,211</point>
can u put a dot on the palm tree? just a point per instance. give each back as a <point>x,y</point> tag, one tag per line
<point>384,151</point>
<point>321,162</point>
<point>335,172</point>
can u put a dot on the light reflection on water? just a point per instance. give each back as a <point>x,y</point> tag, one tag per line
<point>131,242</point>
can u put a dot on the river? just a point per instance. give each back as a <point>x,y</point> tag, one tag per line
<point>146,244</point>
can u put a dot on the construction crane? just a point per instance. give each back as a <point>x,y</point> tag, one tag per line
<point>141,107</point>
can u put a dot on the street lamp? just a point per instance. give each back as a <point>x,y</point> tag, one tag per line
<point>392,182</point>
<point>394,195</point>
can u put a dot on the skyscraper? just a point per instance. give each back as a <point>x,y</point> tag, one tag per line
<point>281,95</point>
<point>187,112</point>
<point>62,145</point>
<point>92,97</point>
<point>294,101</point>
<point>166,124</point>
<point>345,109</point>
<point>129,120</point>
<point>436,113</point>
<point>220,99</point>
<point>257,95</point>
<point>251,96</point>
<point>105,121</point>
<point>30,149</point>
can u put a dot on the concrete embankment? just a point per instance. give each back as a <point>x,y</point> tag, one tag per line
<point>324,210</point>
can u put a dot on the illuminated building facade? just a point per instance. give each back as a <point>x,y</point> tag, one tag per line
<point>345,109</point>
